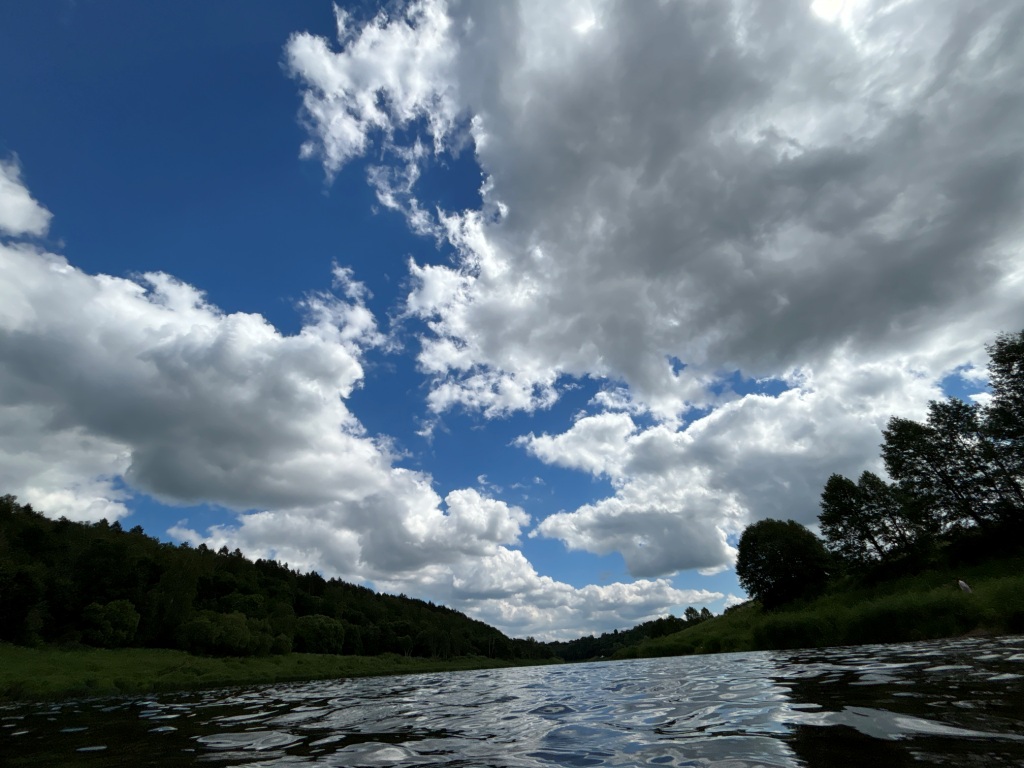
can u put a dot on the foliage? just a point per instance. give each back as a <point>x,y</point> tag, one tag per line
<point>869,520</point>
<point>779,562</point>
<point>112,625</point>
<point>319,634</point>
<point>958,473</point>
<point>68,583</point>
<point>617,643</point>
<point>920,606</point>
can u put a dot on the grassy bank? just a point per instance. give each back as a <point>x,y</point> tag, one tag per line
<point>50,673</point>
<point>921,607</point>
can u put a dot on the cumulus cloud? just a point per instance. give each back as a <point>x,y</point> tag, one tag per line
<point>20,214</point>
<point>406,58</point>
<point>145,381</point>
<point>681,194</point>
<point>681,495</point>
<point>111,386</point>
<point>696,181</point>
<point>504,589</point>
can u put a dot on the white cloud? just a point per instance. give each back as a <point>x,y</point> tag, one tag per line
<point>732,185</point>
<point>680,494</point>
<point>19,213</point>
<point>112,386</point>
<point>826,196</point>
<point>731,600</point>
<point>146,381</point>
<point>672,193</point>
<point>504,590</point>
<point>405,59</point>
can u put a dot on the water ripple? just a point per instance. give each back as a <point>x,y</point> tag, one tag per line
<point>946,703</point>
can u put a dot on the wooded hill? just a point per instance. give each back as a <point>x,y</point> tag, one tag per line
<point>71,583</point>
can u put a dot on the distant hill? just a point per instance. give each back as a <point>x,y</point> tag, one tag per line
<point>69,583</point>
<point>612,643</point>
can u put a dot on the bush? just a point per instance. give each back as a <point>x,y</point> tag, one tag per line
<point>900,618</point>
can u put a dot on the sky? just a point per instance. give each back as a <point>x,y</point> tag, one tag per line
<point>524,308</point>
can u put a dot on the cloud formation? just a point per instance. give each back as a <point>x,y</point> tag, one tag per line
<point>759,229</point>
<point>112,386</point>
<point>20,214</point>
<point>682,194</point>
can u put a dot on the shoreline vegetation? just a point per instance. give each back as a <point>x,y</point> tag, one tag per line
<point>51,673</point>
<point>928,605</point>
<point>923,606</point>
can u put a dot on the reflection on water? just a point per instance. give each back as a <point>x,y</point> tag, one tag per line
<point>954,702</point>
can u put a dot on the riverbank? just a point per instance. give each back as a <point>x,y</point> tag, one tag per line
<point>52,673</point>
<point>924,606</point>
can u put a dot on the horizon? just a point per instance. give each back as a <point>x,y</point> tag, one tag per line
<point>526,311</point>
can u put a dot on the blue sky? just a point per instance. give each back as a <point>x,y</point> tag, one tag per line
<point>522,310</point>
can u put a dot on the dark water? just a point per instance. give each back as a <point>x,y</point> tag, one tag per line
<point>958,702</point>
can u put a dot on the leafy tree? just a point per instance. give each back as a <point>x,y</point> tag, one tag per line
<point>952,465</point>
<point>866,521</point>
<point>1004,416</point>
<point>112,625</point>
<point>319,634</point>
<point>62,581</point>
<point>780,561</point>
<point>216,634</point>
<point>1006,376</point>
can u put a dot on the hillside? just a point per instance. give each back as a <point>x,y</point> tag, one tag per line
<point>97,585</point>
<point>927,604</point>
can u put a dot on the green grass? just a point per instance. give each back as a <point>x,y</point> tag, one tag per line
<point>51,673</point>
<point>921,607</point>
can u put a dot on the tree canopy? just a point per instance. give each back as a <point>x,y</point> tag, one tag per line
<point>958,472</point>
<point>780,561</point>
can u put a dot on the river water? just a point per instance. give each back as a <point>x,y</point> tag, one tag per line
<point>953,702</point>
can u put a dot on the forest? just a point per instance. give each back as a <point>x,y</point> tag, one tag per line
<point>68,584</point>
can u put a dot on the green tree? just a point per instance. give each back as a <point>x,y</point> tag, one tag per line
<point>868,520</point>
<point>780,561</point>
<point>952,465</point>
<point>216,634</point>
<point>112,625</point>
<point>1004,416</point>
<point>319,634</point>
<point>1006,377</point>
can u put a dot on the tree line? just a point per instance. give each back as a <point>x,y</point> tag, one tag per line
<point>955,490</point>
<point>70,583</point>
<point>609,643</point>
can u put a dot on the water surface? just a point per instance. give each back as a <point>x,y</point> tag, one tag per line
<point>953,702</point>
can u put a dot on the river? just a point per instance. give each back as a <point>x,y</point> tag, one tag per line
<point>952,702</point>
